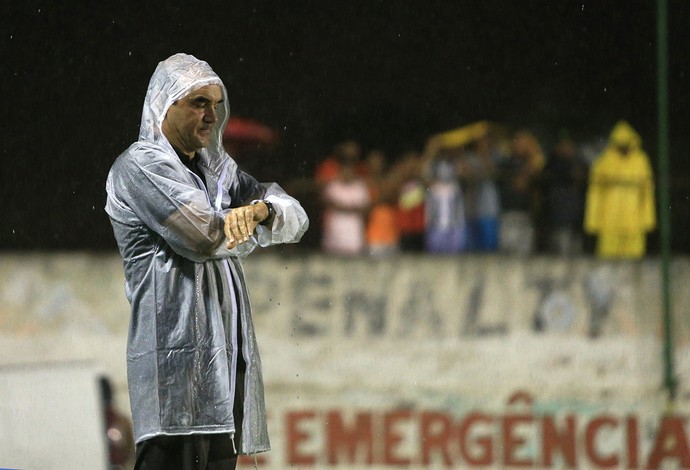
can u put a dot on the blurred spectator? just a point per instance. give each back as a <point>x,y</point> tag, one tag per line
<point>444,207</point>
<point>118,430</point>
<point>382,234</point>
<point>329,168</point>
<point>375,171</point>
<point>519,197</point>
<point>346,202</point>
<point>620,197</point>
<point>564,183</point>
<point>482,202</point>
<point>408,176</point>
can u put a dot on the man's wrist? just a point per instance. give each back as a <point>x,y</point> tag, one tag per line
<point>271,212</point>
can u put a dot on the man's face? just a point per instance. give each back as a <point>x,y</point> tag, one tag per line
<point>188,125</point>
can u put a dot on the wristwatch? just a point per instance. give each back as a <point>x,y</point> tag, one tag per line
<point>271,211</point>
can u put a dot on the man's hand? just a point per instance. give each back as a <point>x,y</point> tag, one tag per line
<point>241,222</point>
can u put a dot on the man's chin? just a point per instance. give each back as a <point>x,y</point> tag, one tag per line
<point>203,142</point>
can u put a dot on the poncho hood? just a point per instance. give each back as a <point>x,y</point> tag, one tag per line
<point>623,135</point>
<point>173,79</point>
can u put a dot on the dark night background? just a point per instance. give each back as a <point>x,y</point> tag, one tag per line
<point>389,73</point>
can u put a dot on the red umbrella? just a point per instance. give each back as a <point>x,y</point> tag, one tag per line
<point>247,131</point>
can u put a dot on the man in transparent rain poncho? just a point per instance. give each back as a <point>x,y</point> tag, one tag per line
<point>183,216</point>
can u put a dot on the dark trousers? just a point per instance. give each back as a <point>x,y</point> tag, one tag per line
<point>196,451</point>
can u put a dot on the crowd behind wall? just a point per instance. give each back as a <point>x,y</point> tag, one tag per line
<point>481,188</point>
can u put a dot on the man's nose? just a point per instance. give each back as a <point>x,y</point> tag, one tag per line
<point>211,115</point>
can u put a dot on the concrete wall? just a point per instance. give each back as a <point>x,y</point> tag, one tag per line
<point>463,362</point>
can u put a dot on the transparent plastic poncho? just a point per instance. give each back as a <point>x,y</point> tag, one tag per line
<point>187,291</point>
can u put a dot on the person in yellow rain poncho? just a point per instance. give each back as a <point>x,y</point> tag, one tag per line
<point>620,196</point>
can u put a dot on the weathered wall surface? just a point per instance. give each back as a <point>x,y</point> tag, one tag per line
<point>467,362</point>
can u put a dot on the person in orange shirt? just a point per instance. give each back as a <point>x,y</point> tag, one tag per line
<point>382,233</point>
